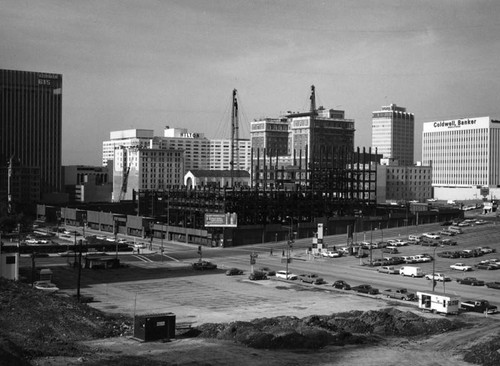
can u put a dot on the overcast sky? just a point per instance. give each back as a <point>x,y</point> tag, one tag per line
<point>148,64</point>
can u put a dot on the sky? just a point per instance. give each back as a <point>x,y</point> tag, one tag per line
<point>149,63</point>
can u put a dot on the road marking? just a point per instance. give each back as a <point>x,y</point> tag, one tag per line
<point>143,258</point>
<point>172,258</point>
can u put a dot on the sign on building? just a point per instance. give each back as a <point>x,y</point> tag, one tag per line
<point>221,220</point>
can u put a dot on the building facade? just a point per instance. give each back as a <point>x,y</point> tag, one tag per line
<point>301,138</point>
<point>393,134</point>
<point>85,183</point>
<point>465,157</point>
<point>398,183</point>
<point>220,154</point>
<point>31,125</point>
<point>270,135</point>
<point>126,138</point>
<point>194,145</point>
<point>138,168</point>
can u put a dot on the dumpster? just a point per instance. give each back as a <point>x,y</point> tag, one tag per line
<point>153,327</point>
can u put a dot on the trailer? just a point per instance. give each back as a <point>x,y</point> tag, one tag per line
<point>438,302</point>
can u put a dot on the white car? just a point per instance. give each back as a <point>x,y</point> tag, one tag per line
<point>333,254</point>
<point>461,267</point>
<point>438,277</point>
<point>286,275</point>
<point>45,286</point>
<point>431,235</point>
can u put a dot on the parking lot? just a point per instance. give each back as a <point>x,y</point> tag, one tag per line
<point>210,296</point>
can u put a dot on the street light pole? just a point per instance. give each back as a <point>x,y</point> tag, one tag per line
<point>161,241</point>
<point>434,269</point>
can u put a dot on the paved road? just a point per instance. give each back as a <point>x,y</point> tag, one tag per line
<point>152,283</point>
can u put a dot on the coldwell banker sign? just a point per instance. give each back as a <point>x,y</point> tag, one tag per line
<point>454,124</point>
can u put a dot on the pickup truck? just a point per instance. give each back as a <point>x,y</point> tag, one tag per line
<point>400,293</point>
<point>479,306</point>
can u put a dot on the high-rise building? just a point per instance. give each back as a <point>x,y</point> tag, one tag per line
<point>302,134</point>
<point>393,134</point>
<point>220,154</point>
<point>31,125</point>
<point>465,157</point>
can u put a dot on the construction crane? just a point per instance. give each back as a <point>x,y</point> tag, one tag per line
<point>126,171</point>
<point>123,190</point>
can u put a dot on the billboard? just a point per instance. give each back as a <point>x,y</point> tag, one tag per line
<point>221,219</point>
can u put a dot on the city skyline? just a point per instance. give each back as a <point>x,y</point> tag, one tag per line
<point>148,64</point>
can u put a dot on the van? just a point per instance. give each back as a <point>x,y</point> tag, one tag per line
<point>455,229</point>
<point>411,271</point>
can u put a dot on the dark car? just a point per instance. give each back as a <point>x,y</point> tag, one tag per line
<point>365,289</point>
<point>203,265</point>
<point>487,266</point>
<point>341,285</point>
<point>234,272</point>
<point>257,275</point>
<point>448,254</point>
<point>395,260</point>
<point>473,281</point>
<point>447,242</point>
<point>495,285</point>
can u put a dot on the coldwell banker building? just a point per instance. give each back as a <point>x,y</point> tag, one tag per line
<point>465,157</point>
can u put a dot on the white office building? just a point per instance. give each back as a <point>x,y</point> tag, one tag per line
<point>465,157</point>
<point>220,154</point>
<point>125,138</point>
<point>136,168</point>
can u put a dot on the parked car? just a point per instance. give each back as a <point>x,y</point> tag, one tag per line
<point>400,293</point>
<point>45,286</point>
<point>495,285</point>
<point>286,275</point>
<point>341,285</point>
<point>390,250</point>
<point>234,272</point>
<point>487,266</point>
<point>311,278</point>
<point>473,281</point>
<point>443,242</point>
<point>257,275</point>
<point>486,250</point>
<point>448,254</point>
<point>395,260</point>
<point>438,277</point>
<point>388,270</point>
<point>334,254</point>
<point>365,289</point>
<point>431,235</point>
<point>447,233</point>
<point>203,265</point>
<point>415,238</point>
<point>461,267</point>
<point>421,258</point>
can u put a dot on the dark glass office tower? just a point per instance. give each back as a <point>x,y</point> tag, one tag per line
<point>30,127</point>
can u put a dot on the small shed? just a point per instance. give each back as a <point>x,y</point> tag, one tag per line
<point>153,327</point>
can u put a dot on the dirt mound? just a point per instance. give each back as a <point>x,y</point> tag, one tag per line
<point>36,323</point>
<point>316,331</point>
